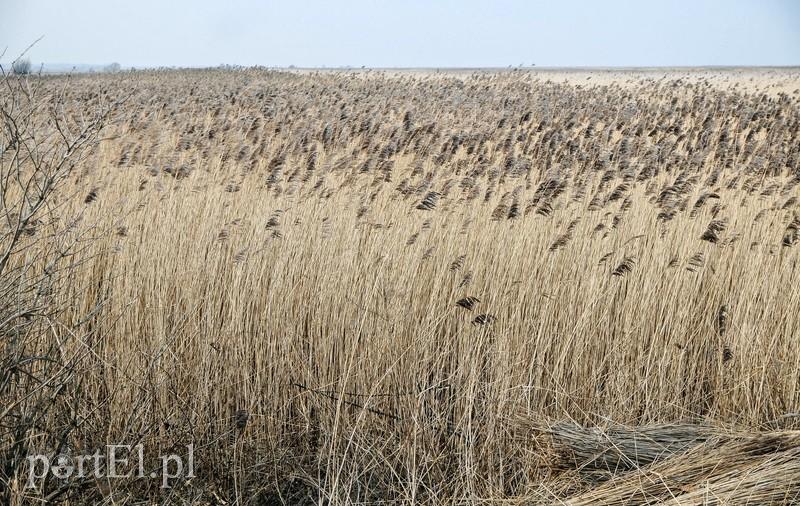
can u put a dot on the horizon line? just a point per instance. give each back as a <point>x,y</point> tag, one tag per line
<point>424,67</point>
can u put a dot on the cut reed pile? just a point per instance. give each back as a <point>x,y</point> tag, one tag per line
<point>603,451</point>
<point>670,464</point>
<point>694,467</point>
<point>382,271</point>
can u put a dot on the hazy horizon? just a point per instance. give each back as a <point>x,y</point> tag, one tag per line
<point>417,34</point>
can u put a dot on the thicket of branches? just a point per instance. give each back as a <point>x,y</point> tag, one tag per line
<point>42,356</point>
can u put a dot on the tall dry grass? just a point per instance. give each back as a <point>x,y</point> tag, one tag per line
<point>288,252</point>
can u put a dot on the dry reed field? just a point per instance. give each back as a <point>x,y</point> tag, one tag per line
<point>411,288</point>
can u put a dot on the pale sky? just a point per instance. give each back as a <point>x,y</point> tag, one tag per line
<point>404,33</point>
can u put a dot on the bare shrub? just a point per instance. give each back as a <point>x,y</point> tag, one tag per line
<point>21,66</point>
<point>41,251</point>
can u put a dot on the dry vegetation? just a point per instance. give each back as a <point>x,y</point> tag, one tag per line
<point>415,288</point>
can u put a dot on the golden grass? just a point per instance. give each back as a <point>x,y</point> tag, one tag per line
<point>380,273</point>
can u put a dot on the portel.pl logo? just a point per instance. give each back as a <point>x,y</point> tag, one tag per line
<point>117,461</point>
